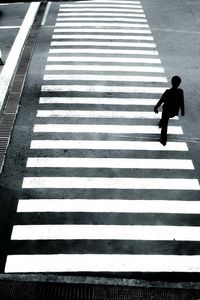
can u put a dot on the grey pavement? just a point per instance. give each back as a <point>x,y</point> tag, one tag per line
<point>176,29</point>
<point>11,18</point>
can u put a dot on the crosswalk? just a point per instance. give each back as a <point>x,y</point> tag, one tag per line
<point>100,193</point>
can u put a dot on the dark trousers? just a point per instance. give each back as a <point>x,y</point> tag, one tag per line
<point>163,124</point>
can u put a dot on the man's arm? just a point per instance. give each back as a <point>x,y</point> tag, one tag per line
<point>162,99</point>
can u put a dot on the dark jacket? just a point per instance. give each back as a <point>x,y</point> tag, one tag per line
<point>172,100</point>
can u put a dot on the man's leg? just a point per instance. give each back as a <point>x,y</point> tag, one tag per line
<point>164,124</point>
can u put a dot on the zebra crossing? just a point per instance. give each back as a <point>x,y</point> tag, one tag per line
<point>106,196</point>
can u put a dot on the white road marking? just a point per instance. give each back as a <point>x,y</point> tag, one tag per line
<point>108,30</point>
<point>104,6</point>
<point>96,101</point>
<point>9,27</point>
<point>105,1</point>
<point>102,37</point>
<point>85,77</point>
<point>108,9</point>
<point>104,59</point>
<point>110,183</point>
<point>46,13</point>
<point>97,114</point>
<point>113,19</point>
<point>106,232</point>
<point>107,145</point>
<point>108,68</point>
<point>90,24</point>
<point>109,206</point>
<point>100,10</point>
<point>103,9</point>
<point>3,4</point>
<point>104,43</point>
<point>113,163</point>
<point>104,14</point>
<point>102,263</point>
<point>103,89</point>
<point>116,129</point>
<point>104,51</point>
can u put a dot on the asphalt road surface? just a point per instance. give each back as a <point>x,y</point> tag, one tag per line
<point>87,188</point>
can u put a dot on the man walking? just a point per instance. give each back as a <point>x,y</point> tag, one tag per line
<point>172,100</point>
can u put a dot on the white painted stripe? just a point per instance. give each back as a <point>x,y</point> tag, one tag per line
<point>124,129</point>
<point>113,163</point>
<point>113,19</point>
<point>11,3</point>
<point>104,89</point>
<point>96,101</point>
<point>104,14</point>
<point>12,59</point>
<point>110,68</point>
<point>105,232</point>
<point>108,9</point>
<point>108,30</point>
<point>9,27</point>
<point>90,24</point>
<point>105,1</point>
<point>104,43</point>
<point>102,9</point>
<point>104,6</point>
<point>97,114</point>
<point>102,37</point>
<point>104,51</point>
<point>102,263</point>
<point>109,205</point>
<point>107,145</point>
<point>110,183</point>
<point>85,77</point>
<point>105,59</point>
<point>46,13</point>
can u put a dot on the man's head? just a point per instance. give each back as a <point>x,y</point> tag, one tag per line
<point>176,80</point>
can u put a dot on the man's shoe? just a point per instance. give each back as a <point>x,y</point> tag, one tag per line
<point>163,143</point>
